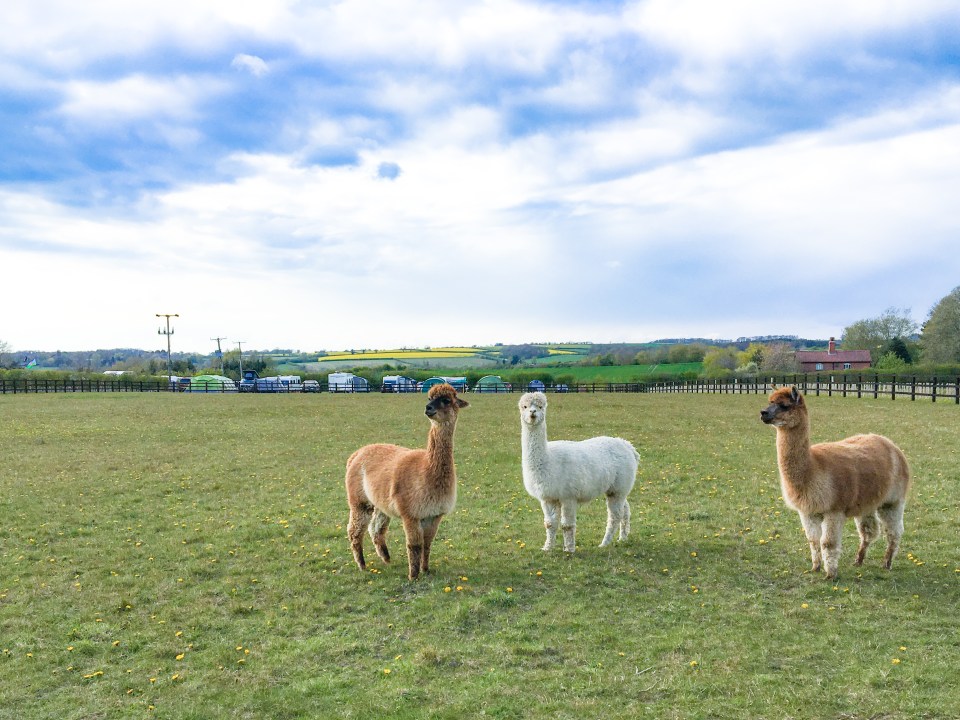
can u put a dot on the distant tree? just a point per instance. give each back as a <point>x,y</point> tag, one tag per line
<point>779,358</point>
<point>873,334</point>
<point>890,362</point>
<point>754,353</point>
<point>940,338</point>
<point>4,348</point>
<point>899,348</point>
<point>719,361</point>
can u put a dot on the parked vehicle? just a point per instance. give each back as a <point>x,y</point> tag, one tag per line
<point>347,382</point>
<point>398,384</point>
<point>311,386</point>
<point>289,383</point>
<point>248,383</point>
<point>535,386</point>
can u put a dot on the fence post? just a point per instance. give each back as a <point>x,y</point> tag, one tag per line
<point>913,388</point>
<point>933,390</point>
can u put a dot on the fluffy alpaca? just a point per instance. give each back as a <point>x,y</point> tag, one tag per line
<point>865,477</point>
<point>417,486</point>
<point>562,473</point>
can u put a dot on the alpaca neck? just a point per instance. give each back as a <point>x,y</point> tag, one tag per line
<point>440,453</point>
<point>533,448</point>
<point>793,453</point>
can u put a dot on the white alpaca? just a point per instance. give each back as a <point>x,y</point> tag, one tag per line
<point>562,473</point>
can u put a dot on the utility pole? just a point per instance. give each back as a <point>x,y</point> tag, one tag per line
<point>239,342</point>
<point>168,332</point>
<point>220,352</point>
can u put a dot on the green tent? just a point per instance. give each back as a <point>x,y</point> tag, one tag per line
<point>492,384</point>
<point>430,382</point>
<point>212,383</point>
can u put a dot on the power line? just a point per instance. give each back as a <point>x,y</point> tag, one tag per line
<point>168,332</point>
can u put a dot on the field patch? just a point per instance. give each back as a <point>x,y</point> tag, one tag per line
<point>185,556</point>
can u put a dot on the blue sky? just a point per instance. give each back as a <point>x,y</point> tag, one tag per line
<point>331,175</point>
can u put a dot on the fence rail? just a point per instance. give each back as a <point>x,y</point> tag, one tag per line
<point>875,386</point>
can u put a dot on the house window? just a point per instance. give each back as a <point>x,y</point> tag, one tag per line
<point>819,366</point>
<point>846,366</point>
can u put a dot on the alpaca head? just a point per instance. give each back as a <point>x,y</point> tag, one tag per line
<point>443,404</point>
<point>533,408</point>
<point>786,408</point>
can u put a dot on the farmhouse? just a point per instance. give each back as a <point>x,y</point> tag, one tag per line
<point>832,359</point>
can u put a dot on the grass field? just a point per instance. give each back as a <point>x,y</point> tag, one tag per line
<point>178,556</point>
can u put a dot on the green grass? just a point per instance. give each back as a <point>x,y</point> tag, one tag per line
<point>177,556</point>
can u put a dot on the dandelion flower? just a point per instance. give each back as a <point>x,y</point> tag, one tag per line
<point>895,661</point>
<point>386,671</point>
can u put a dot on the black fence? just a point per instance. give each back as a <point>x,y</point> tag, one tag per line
<point>860,386</point>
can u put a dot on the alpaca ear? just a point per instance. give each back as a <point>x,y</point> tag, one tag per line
<point>794,394</point>
<point>461,403</point>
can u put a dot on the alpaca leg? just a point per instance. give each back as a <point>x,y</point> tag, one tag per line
<point>359,520</point>
<point>812,528</point>
<point>830,542</point>
<point>867,529</point>
<point>892,518</point>
<point>378,533</point>
<point>551,516</point>
<point>614,508</point>
<point>429,527</point>
<point>411,526</point>
<point>625,520</point>
<point>568,523</point>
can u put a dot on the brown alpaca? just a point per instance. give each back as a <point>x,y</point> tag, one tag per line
<point>865,477</point>
<point>417,486</point>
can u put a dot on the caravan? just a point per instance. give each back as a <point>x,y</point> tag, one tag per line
<point>347,383</point>
<point>398,384</point>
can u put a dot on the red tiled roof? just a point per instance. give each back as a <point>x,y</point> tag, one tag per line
<point>823,356</point>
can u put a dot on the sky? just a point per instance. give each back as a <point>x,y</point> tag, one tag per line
<point>318,175</point>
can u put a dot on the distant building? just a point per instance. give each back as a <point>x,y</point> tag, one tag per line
<point>832,359</point>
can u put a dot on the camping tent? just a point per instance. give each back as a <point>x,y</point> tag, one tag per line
<point>492,384</point>
<point>212,383</point>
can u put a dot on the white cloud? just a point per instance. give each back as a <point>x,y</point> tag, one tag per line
<point>135,96</point>
<point>250,63</point>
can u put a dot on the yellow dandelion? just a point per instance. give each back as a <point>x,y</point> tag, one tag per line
<point>694,663</point>
<point>804,606</point>
<point>903,648</point>
<point>509,589</point>
<point>447,588</point>
<point>386,671</point>
<point>180,656</point>
<point>895,661</point>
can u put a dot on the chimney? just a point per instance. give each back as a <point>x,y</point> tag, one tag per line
<point>832,347</point>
